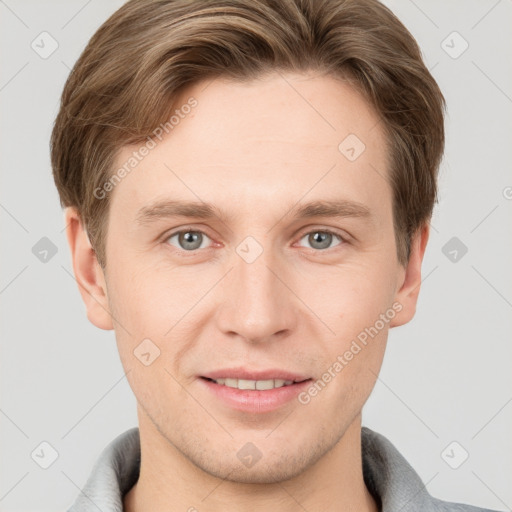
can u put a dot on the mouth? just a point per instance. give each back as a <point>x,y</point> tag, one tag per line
<point>259,385</point>
<point>264,392</point>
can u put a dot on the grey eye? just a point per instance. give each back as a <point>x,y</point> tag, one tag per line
<point>320,239</point>
<point>188,240</point>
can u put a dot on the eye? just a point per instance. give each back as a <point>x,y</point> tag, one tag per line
<point>188,239</point>
<point>321,239</point>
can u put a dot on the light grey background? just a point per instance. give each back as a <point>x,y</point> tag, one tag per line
<point>446,376</point>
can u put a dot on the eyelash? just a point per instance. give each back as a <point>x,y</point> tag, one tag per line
<point>343,239</point>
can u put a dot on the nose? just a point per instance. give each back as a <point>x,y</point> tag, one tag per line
<point>258,303</point>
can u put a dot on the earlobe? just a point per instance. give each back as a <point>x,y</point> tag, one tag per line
<point>407,295</point>
<point>88,273</point>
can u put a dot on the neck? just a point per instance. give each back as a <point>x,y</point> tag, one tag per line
<point>170,482</point>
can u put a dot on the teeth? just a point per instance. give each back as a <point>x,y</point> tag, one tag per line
<point>265,384</point>
<point>246,384</point>
<point>254,384</point>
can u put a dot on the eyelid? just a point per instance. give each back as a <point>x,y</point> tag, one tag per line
<point>319,229</point>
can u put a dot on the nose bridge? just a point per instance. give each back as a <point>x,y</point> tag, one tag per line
<point>259,302</point>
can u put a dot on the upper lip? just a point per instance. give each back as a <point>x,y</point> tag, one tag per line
<point>244,373</point>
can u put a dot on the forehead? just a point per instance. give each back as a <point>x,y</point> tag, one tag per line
<point>273,140</point>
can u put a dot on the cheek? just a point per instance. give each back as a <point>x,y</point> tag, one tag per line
<point>158,312</point>
<point>353,295</point>
<point>152,298</point>
<point>360,316</point>
<point>358,308</point>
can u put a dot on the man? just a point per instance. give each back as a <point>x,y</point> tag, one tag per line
<point>248,188</point>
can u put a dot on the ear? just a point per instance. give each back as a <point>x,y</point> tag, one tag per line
<point>88,273</point>
<point>409,288</point>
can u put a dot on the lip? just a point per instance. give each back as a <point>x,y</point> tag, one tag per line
<point>254,401</point>
<point>244,373</point>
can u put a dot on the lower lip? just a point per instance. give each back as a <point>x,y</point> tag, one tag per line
<point>255,401</point>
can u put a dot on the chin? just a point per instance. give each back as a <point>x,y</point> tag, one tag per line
<point>279,466</point>
<point>267,473</point>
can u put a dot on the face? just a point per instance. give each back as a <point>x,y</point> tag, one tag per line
<point>291,274</point>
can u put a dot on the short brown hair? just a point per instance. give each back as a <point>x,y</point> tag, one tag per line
<point>125,82</point>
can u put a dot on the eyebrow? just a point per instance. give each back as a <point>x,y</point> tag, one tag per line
<point>340,208</point>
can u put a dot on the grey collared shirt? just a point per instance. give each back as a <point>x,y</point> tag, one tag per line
<point>395,486</point>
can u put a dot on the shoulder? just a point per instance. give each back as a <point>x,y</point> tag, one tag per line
<point>394,483</point>
<point>116,470</point>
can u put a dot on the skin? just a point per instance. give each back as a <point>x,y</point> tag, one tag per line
<point>254,150</point>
